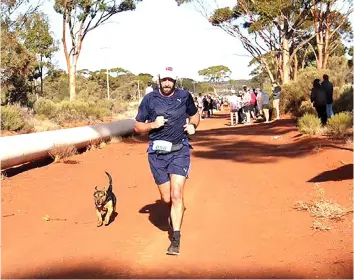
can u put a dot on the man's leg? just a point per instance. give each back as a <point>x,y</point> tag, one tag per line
<point>266,114</point>
<point>177,207</point>
<point>329,108</point>
<point>236,117</point>
<point>276,103</point>
<point>177,210</point>
<point>165,192</point>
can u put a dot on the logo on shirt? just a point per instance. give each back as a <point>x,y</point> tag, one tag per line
<point>185,170</point>
<point>178,99</point>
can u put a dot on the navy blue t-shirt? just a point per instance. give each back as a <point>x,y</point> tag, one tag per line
<point>175,109</point>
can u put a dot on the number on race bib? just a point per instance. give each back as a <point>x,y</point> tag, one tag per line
<point>160,145</point>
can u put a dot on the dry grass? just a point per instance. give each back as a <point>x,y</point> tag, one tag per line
<point>317,148</point>
<point>43,125</point>
<point>60,153</point>
<point>322,209</point>
<point>319,226</point>
<point>115,139</point>
<point>93,145</point>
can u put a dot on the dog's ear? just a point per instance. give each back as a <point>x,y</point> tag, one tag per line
<point>96,188</point>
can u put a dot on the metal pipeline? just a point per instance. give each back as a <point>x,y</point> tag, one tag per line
<point>19,149</point>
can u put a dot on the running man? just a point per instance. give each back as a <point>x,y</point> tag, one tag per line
<point>169,115</point>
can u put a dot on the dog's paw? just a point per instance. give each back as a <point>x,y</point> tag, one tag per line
<point>106,223</point>
<point>99,224</point>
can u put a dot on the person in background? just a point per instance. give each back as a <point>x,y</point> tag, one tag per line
<point>235,106</point>
<point>246,100</point>
<point>149,88</point>
<point>328,88</point>
<point>265,105</point>
<point>276,99</point>
<point>319,100</point>
<point>259,102</point>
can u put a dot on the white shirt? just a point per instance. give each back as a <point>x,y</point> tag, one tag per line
<point>148,90</point>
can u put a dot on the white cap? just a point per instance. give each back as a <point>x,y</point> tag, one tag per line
<point>167,72</point>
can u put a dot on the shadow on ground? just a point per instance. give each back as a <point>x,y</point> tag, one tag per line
<point>95,270</point>
<point>219,143</point>
<point>158,214</point>
<point>344,172</point>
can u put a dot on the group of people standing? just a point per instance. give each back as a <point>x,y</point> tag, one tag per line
<point>322,98</point>
<point>252,103</point>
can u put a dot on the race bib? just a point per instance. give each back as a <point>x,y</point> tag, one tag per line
<point>161,145</point>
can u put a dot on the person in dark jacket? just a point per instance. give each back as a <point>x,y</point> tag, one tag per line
<point>328,88</point>
<point>319,100</point>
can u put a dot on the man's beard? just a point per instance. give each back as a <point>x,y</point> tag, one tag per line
<point>167,90</point>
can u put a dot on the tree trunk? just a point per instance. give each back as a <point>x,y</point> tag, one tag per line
<point>286,64</point>
<point>296,65</point>
<point>72,78</point>
<point>319,55</point>
<point>41,72</point>
<point>317,13</point>
<point>326,49</point>
<point>266,67</point>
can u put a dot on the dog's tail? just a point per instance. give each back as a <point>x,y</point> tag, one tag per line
<point>110,180</point>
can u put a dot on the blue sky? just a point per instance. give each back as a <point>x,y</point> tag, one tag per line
<point>157,34</point>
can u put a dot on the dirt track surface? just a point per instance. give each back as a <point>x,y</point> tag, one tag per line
<point>239,222</point>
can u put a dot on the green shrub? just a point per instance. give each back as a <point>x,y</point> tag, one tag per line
<point>295,92</point>
<point>306,107</point>
<point>309,124</point>
<point>72,111</point>
<point>338,125</point>
<point>77,110</point>
<point>11,118</point>
<point>345,100</point>
<point>46,107</point>
<point>119,107</point>
<point>105,103</point>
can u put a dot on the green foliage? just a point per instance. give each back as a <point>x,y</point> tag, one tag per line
<point>36,35</point>
<point>11,118</point>
<point>309,124</point>
<point>119,107</point>
<point>345,100</point>
<point>295,92</point>
<point>339,124</point>
<point>340,72</point>
<point>46,108</point>
<point>16,63</point>
<point>76,110</point>
<point>56,86</point>
<point>306,108</point>
<point>221,15</point>
<point>215,73</point>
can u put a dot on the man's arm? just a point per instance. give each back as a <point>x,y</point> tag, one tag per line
<point>145,127</point>
<point>142,127</point>
<point>195,119</point>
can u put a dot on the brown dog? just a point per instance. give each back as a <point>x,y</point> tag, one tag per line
<point>105,202</point>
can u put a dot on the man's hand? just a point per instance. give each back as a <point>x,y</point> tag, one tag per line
<point>159,121</point>
<point>190,128</point>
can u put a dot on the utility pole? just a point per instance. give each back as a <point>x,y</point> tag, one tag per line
<point>108,96</point>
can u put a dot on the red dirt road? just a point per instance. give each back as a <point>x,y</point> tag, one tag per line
<point>239,223</point>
